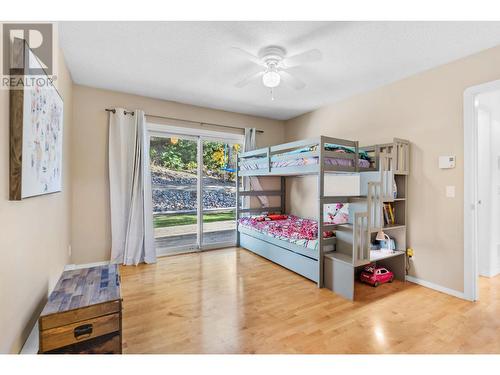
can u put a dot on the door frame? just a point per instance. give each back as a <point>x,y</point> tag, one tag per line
<point>471,269</point>
<point>165,130</point>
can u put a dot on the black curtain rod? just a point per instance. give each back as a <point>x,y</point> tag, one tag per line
<point>180,119</point>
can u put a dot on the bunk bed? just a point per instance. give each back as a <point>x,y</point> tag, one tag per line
<point>309,156</point>
<point>300,244</point>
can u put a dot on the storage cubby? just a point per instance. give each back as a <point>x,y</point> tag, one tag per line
<point>397,233</point>
<point>400,180</point>
<point>399,213</point>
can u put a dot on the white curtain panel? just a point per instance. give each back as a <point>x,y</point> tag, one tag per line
<point>253,182</point>
<point>132,237</point>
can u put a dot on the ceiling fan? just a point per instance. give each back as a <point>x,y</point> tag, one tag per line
<point>274,63</point>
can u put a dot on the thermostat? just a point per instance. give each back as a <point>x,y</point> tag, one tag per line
<point>446,162</point>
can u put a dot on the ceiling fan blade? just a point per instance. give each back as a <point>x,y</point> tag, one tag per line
<point>312,55</point>
<point>250,78</point>
<point>292,81</point>
<point>247,55</point>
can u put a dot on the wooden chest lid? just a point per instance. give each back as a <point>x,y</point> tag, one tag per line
<point>84,287</point>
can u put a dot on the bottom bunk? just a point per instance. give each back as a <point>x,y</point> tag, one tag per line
<point>284,239</point>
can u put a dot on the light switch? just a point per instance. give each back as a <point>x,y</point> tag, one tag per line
<point>446,162</point>
<point>450,191</point>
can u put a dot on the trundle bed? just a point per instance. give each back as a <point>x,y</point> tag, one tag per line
<point>291,241</point>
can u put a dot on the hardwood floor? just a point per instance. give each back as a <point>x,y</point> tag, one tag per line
<point>233,301</point>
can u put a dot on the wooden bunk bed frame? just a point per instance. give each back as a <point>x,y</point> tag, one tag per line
<point>306,262</point>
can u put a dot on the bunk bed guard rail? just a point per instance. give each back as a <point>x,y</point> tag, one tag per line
<point>302,149</point>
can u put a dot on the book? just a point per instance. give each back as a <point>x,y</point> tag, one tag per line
<point>386,214</point>
<point>391,212</point>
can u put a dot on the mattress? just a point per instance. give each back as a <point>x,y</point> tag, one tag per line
<point>255,164</point>
<point>296,230</point>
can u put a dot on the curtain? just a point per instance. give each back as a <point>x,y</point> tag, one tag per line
<point>132,237</point>
<point>253,182</point>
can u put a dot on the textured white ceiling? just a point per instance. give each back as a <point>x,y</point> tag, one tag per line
<point>191,62</point>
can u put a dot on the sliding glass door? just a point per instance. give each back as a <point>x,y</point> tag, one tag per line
<point>174,182</point>
<point>193,191</point>
<point>219,193</point>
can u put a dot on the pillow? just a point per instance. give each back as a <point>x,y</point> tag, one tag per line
<point>277,217</point>
<point>336,213</point>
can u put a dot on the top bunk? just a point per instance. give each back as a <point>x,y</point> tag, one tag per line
<point>309,156</point>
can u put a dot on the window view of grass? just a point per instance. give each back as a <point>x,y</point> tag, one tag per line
<point>162,221</point>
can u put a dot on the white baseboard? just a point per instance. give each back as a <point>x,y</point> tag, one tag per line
<point>495,273</point>
<point>490,273</point>
<point>86,265</point>
<point>31,344</point>
<point>439,288</point>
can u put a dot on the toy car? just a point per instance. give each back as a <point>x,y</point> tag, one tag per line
<point>376,275</point>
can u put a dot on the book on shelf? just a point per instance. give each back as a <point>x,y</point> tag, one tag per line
<point>386,214</point>
<point>389,214</point>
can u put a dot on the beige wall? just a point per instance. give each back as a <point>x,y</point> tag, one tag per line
<point>427,109</point>
<point>91,236</point>
<point>34,234</point>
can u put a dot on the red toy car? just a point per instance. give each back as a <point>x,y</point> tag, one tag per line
<point>376,275</point>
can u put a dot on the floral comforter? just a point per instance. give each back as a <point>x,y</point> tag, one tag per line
<point>299,231</point>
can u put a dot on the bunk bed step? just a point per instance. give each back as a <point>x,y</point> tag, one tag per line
<point>344,199</point>
<point>333,199</point>
<point>339,227</point>
<point>339,274</point>
<point>347,227</point>
<point>341,257</point>
<point>329,241</point>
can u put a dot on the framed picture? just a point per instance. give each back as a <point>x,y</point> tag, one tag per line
<point>36,129</point>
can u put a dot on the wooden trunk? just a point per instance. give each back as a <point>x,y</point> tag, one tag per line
<point>83,314</point>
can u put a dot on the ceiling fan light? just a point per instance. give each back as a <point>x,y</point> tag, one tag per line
<point>271,79</point>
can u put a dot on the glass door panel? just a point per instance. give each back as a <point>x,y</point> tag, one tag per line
<point>218,193</point>
<point>174,182</point>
